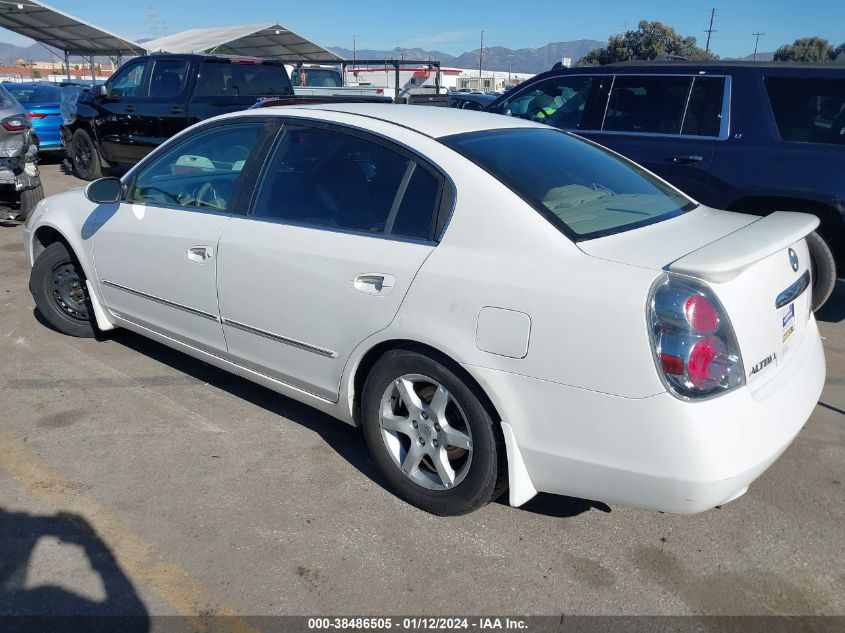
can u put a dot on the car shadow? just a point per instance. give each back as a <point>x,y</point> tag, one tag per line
<point>834,310</point>
<point>345,440</point>
<point>49,606</point>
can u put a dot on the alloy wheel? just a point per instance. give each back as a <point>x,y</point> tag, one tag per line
<point>425,432</point>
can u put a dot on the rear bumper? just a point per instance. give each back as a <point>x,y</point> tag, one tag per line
<point>658,452</point>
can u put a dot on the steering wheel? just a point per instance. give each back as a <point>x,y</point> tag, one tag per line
<point>166,193</point>
<point>207,196</point>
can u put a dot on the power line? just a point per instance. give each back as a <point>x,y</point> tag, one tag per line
<point>710,30</point>
<point>756,41</point>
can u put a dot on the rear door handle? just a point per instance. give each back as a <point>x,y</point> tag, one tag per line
<point>131,108</point>
<point>682,159</point>
<point>200,254</point>
<point>374,283</point>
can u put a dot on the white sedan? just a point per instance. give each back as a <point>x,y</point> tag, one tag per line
<point>497,304</point>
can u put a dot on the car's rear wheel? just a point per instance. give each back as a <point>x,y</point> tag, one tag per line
<point>823,269</point>
<point>57,283</point>
<point>85,157</point>
<point>430,435</point>
<point>30,198</point>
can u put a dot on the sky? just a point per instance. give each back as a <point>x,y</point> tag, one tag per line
<point>455,26</point>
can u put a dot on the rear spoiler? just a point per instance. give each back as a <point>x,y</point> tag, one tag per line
<point>727,257</point>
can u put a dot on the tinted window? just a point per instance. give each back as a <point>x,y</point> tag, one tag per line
<point>583,188</point>
<point>704,109</point>
<point>647,104</point>
<point>316,77</point>
<point>808,110</point>
<point>35,94</point>
<point>559,101</point>
<point>201,171</point>
<point>218,79</point>
<point>168,78</point>
<point>128,82</point>
<point>323,177</point>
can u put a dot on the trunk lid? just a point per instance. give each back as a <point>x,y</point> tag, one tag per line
<point>758,268</point>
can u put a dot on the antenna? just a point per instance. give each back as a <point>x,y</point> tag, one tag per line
<point>756,41</point>
<point>710,30</point>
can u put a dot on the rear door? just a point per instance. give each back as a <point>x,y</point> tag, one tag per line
<point>667,123</point>
<point>155,252</point>
<point>339,226</point>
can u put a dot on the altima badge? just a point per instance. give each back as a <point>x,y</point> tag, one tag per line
<point>793,260</point>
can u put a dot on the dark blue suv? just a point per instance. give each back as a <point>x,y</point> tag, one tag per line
<point>742,136</point>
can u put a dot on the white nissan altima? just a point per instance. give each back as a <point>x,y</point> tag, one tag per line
<point>499,305</point>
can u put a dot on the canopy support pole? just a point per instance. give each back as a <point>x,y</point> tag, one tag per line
<point>67,65</point>
<point>93,74</point>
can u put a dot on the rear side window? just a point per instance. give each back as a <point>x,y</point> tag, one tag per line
<point>703,115</point>
<point>559,102</point>
<point>168,77</point>
<point>650,104</point>
<point>222,79</point>
<point>808,110</point>
<point>343,181</point>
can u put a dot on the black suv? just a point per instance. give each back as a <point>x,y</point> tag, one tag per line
<point>152,97</point>
<point>742,136</point>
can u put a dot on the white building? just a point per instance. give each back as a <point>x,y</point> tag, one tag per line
<point>414,77</point>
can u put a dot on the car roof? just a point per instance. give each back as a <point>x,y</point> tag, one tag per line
<point>431,121</point>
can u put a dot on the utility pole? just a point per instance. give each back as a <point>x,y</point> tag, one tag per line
<point>353,49</point>
<point>756,41</point>
<point>710,30</point>
<point>480,60</point>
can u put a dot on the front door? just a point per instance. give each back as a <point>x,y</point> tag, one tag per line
<point>339,227</point>
<point>155,253</point>
<point>119,113</point>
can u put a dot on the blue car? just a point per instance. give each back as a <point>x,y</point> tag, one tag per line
<point>42,102</point>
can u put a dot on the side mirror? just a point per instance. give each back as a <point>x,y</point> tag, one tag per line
<point>105,190</point>
<point>102,90</point>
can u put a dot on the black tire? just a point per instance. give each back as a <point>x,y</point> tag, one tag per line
<point>823,269</point>
<point>55,283</point>
<point>86,160</point>
<point>30,198</point>
<point>485,476</point>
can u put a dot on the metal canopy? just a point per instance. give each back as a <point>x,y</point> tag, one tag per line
<point>49,26</point>
<point>270,41</point>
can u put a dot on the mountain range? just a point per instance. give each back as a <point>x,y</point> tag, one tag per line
<point>521,60</point>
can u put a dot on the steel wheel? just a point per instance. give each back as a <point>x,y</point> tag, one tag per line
<point>425,432</point>
<point>69,291</point>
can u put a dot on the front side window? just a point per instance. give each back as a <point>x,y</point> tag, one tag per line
<point>223,79</point>
<point>584,189</point>
<point>808,110</point>
<point>560,101</point>
<point>200,172</point>
<point>168,78</point>
<point>336,180</point>
<point>129,81</point>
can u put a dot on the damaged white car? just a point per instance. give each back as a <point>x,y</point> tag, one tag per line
<point>20,182</point>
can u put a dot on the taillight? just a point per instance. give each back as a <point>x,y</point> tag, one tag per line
<point>15,123</point>
<point>694,344</point>
<point>36,115</point>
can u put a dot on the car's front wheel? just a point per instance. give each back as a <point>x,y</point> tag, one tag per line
<point>430,435</point>
<point>85,157</point>
<point>57,283</point>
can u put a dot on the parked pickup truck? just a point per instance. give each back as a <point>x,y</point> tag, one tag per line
<point>152,97</point>
<point>319,80</point>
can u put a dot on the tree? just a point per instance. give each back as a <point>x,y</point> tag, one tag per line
<point>36,74</point>
<point>806,49</point>
<point>650,40</point>
<point>840,50</point>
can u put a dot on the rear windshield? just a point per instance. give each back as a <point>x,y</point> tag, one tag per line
<point>582,188</point>
<point>316,77</point>
<point>35,94</point>
<point>237,80</point>
<point>808,110</point>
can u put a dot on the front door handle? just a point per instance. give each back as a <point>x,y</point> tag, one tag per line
<point>374,283</point>
<point>200,254</point>
<point>131,108</point>
<point>176,110</point>
<point>684,159</point>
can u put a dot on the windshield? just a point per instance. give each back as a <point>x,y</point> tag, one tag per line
<point>35,94</point>
<point>582,188</point>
